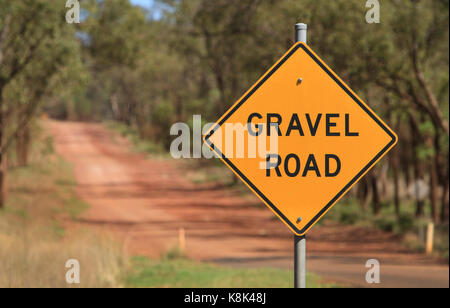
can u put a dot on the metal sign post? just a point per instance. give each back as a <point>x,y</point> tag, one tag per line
<point>300,261</point>
<point>300,241</point>
<point>300,33</point>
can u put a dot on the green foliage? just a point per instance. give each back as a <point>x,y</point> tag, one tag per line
<point>140,145</point>
<point>40,58</point>
<point>174,254</point>
<point>385,223</point>
<point>116,30</point>
<point>406,222</point>
<point>182,273</point>
<point>48,146</point>
<point>442,241</point>
<point>350,212</point>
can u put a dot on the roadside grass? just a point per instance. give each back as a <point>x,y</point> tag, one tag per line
<point>139,145</point>
<point>201,171</point>
<point>411,229</point>
<point>35,243</point>
<point>184,273</point>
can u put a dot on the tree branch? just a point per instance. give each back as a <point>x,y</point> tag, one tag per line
<point>3,36</point>
<point>432,101</point>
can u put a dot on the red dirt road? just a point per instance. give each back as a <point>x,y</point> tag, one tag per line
<point>145,202</point>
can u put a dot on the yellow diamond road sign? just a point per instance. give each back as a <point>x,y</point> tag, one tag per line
<point>327,138</point>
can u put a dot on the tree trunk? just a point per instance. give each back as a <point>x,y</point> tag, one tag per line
<point>115,106</point>
<point>434,193</point>
<point>417,164</point>
<point>23,146</point>
<point>2,159</point>
<point>396,172</point>
<point>442,170</point>
<point>375,195</point>
<point>362,193</point>
<point>179,109</point>
<point>445,201</point>
<point>3,190</point>
<point>434,181</point>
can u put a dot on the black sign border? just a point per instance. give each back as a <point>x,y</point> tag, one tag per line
<point>348,91</point>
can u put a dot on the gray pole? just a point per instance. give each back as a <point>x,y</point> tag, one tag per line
<point>300,241</point>
<point>300,33</point>
<point>299,261</point>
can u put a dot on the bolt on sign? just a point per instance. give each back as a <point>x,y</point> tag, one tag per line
<point>326,138</point>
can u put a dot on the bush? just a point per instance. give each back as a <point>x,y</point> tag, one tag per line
<point>406,223</point>
<point>387,224</point>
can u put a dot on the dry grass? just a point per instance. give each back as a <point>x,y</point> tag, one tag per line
<point>32,258</point>
<point>34,241</point>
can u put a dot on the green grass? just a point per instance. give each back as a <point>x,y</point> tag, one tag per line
<point>349,212</point>
<point>58,229</point>
<point>183,273</point>
<point>140,145</point>
<point>407,225</point>
<point>47,181</point>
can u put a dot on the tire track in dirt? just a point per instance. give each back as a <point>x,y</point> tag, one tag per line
<point>144,202</point>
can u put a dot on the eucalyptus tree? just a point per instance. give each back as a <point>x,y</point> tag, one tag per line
<point>36,46</point>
